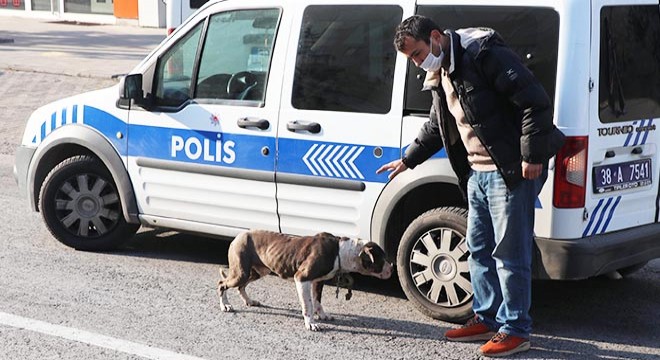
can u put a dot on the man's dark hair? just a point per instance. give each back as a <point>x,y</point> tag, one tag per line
<point>417,27</point>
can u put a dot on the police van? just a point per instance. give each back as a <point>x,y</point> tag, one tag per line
<point>275,114</point>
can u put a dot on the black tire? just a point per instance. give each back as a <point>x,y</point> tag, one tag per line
<point>81,206</point>
<point>432,264</point>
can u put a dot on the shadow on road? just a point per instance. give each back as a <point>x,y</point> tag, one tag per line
<point>358,324</point>
<point>598,309</point>
<point>172,245</point>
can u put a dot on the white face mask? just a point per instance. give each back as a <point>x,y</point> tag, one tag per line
<point>431,62</point>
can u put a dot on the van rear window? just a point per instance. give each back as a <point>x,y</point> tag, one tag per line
<point>532,32</point>
<point>629,75</point>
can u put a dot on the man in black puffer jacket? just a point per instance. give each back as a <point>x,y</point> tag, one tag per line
<point>494,120</point>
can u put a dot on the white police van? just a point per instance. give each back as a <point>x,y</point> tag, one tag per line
<point>275,115</point>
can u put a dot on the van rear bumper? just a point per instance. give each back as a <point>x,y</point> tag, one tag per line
<point>575,259</point>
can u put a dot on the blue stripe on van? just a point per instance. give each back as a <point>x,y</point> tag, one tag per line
<point>609,216</point>
<point>630,134</point>
<point>593,216</point>
<point>201,147</point>
<point>43,131</point>
<point>74,117</point>
<point>646,133</point>
<point>334,160</point>
<point>53,122</point>
<point>600,218</point>
<point>638,134</point>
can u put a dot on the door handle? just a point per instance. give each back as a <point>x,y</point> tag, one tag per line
<point>261,124</point>
<point>312,127</point>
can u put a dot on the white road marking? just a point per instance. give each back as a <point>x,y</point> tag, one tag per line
<point>91,338</point>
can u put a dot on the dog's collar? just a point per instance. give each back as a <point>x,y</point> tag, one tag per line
<point>343,279</point>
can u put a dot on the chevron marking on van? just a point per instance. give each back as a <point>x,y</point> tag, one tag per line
<point>57,119</point>
<point>640,131</point>
<point>638,134</point>
<point>649,127</point>
<point>600,215</point>
<point>333,160</point>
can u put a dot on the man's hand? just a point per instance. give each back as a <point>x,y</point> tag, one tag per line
<point>396,167</point>
<point>531,171</point>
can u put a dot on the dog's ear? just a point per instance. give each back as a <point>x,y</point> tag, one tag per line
<point>372,257</point>
<point>367,254</point>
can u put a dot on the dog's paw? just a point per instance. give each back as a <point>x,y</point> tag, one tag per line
<point>312,326</point>
<point>226,308</point>
<point>322,315</point>
<point>325,317</point>
<point>252,303</point>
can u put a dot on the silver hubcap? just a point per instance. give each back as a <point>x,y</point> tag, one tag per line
<point>439,267</point>
<point>87,206</point>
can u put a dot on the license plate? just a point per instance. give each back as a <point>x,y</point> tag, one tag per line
<point>622,176</point>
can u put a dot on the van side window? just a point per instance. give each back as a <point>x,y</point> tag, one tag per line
<point>629,75</point>
<point>236,55</point>
<point>174,70</point>
<point>346,58</point>
<point>532,32</point>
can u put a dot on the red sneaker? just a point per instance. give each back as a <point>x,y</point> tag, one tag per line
<point>473,330</point>
<point>504,345</point>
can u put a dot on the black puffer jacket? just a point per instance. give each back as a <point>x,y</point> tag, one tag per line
<point>506,105</point>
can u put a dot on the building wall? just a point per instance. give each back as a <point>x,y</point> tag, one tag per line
<point>150,13</point>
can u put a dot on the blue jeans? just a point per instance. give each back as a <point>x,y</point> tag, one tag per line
<point>500,232</point>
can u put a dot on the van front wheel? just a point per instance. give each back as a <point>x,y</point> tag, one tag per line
<point>81,206</point>
<point>432,264</point>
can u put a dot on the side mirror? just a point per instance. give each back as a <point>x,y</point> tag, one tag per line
<point>131,88</point>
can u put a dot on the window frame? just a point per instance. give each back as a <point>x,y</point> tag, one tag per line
<point>412,72</point>
<point>197,62</point>
<point>235,102</point>
<point>193,76</point>
<point>297,87</point>
<point>609,114</point>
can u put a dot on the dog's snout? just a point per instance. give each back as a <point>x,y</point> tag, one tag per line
<point>387,271</point>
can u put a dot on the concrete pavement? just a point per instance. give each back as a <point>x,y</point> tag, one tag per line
<point>56,47</point>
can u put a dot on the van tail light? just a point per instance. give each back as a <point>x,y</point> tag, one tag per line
<point>571,173</point>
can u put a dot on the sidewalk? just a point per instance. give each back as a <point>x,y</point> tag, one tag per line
<point>81,50</point>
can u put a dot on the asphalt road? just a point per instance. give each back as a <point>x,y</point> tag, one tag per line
<point>155,298</point>
<point>158,292</point>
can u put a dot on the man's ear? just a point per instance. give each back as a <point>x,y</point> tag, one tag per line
<point>436,35</point>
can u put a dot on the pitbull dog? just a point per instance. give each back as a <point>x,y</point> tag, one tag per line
<point>309,260</point>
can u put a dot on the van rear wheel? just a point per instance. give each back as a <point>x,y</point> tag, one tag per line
<point>432,264</point>
<point>81,206</point>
